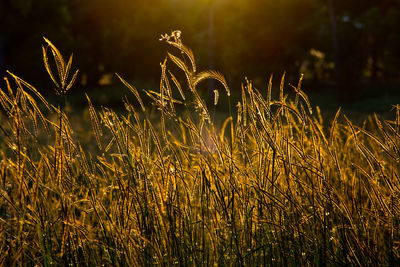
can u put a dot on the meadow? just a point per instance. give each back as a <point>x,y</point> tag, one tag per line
<point>270,184</point>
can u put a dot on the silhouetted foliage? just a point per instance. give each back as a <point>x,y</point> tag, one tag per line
<point>342,41</point>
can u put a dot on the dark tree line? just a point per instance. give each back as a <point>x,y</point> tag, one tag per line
<point>343,41</point>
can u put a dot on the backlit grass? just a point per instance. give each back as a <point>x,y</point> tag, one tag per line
<point>271,184</point>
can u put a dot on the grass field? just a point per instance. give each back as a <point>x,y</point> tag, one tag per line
<point>270,184</point>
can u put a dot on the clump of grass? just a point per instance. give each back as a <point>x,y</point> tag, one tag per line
<point>271,185</point>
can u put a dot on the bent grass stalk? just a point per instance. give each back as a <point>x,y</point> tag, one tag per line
<point>272,185</point>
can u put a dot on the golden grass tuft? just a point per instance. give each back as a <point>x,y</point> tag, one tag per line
<point>272,185</point>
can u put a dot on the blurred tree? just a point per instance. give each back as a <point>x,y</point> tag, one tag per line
<point>381,23</point>
<point>121,36</point>
<point>360,34</point>
<point>258,38</point>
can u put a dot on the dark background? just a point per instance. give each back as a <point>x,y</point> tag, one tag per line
<point>349,51</point>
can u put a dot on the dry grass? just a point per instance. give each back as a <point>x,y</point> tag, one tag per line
<point>272,185</point>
